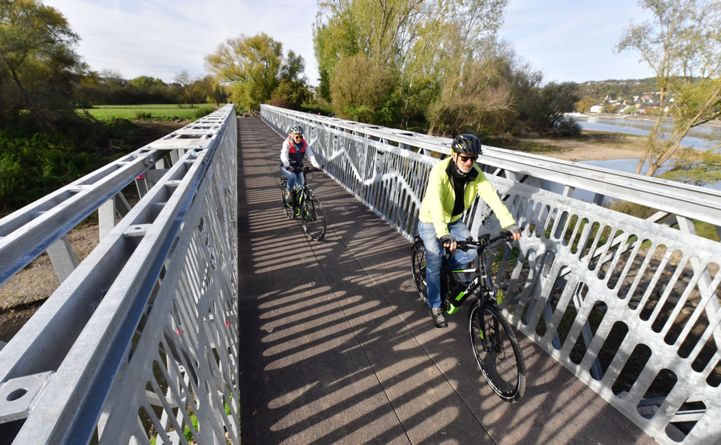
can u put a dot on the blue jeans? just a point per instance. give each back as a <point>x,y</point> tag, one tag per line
<point>434,257</point>
<point>295,179</point>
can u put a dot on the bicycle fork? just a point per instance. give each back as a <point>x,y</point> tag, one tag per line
<point>488,332</point>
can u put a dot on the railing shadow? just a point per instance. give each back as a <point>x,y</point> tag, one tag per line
<point>336,346</point>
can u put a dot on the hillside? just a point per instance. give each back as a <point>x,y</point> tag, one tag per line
<point>616,89</point>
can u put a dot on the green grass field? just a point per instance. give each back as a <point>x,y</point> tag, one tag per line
<point>152,111</point>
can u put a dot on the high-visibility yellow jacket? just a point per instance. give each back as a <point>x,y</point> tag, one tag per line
<point>437,204</point>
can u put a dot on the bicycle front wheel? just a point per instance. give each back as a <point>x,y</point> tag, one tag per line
<point>497,351</point>
<point>313,219</point>
<point>418,267</point>
<point>287,207</point>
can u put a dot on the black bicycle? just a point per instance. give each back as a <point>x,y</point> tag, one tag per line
<point>307,208</point>
<point>493,341</point>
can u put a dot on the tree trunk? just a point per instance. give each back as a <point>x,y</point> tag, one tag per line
<point>44,121</point>
<point>652,141</point>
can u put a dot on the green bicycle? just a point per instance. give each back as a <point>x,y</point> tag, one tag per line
<point>308,209</point>
<point>493,341</point>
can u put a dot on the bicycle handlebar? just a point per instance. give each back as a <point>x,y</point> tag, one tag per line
<point>305,169</point>
<point>484,241</point>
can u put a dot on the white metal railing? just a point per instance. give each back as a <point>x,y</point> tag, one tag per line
<point>630,306</point>
<point>139,342</point>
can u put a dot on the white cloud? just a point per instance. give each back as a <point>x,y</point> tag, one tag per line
<point>162,38</point>
<point>566,40</point>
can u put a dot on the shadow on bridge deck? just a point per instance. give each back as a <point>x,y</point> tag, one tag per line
<point>335,346</point>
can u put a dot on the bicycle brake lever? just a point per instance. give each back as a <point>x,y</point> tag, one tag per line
<point>483,240</point>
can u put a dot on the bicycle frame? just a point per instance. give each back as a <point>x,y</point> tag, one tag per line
<point>480,285</point>
<point>305,207</point>
<point>300,194</point>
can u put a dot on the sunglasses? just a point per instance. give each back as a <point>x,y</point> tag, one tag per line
<point>298,136</point>
<point>465,158</point>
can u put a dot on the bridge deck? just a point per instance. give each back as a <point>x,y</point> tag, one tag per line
<point>335,346</point>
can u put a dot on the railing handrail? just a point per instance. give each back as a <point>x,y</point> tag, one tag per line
<point>108,322</point>
<point>687,200</point>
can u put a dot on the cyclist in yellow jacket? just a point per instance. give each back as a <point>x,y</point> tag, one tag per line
<point>452,187</point>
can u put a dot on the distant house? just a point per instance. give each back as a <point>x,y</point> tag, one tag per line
<point>595,109</point>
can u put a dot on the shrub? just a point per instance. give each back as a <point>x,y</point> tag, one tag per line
<point>33,165</point>
<point>317,107</point>
<point>9,175</point>
<point>202,112</point>
<point>140,115</point>
<point>361,88</point>
<point>567,127</point>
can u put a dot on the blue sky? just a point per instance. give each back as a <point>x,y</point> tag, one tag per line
<point>574,40</point>
<point>566,40</point>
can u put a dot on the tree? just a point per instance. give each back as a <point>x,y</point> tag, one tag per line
<point>186,83</point>
<point>256,72</point>
<point>610,108</point>
<point>424,43</point>
<point>473,100</point>
<point>362,90</point>
<point>149,90</point>
<point>108,87</point>
<point>292,90</point>
<point>218,95</point>
<point>682,45</point>
<point>146,82</point>
<point>195,90</point>
<point>38,67</point>
<point>585,104</point>
<point>250,65</point>
<point>206,90</point>
<point>558,99</point>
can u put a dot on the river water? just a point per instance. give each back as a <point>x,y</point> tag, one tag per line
<point>704,137</point>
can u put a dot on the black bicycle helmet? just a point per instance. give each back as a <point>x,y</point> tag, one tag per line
<point>467,144</point>
<point>296,129</point>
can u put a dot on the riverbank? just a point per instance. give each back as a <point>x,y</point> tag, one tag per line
<point>632,117</point>
<point>589,146</point>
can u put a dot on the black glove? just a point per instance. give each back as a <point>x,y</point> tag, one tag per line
<point>514,230</point>
<point>445,239</point>
<point>483,240</point>
<point>290,168</point>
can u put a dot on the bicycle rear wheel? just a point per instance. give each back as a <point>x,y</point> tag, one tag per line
<point>287,207</point>
<point>497,351</point>
<point>313,218</point>
<point>418,267</point>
